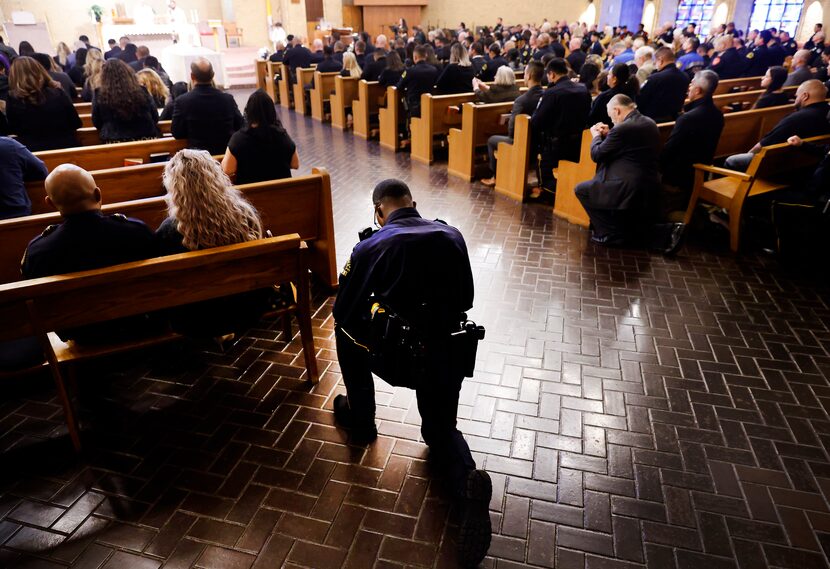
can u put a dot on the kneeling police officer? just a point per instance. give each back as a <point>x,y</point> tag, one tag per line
<point>399,313</point>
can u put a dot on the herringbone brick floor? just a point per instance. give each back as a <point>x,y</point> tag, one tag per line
<point>633,411</point>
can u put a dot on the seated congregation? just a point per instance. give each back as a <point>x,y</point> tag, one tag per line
<point>637,138</point>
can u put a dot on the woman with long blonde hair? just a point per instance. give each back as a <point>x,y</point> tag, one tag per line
<point>351,68</point>
<point>205,211</point>
<point>38,111</point>
<point>151,81</point>
<point>457,76</point>
<point>64,56</point>
<point>92,72</point>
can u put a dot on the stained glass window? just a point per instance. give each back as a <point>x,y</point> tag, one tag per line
<point>695,12</point>
<point>779,14</point>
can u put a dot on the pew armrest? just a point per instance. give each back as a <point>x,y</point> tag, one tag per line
<point>723,172</point>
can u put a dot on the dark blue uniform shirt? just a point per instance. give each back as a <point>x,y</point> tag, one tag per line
<point>86,241</point>
<point>17,165</point>
<point>408,262</point>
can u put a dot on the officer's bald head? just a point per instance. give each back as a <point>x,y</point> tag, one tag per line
<point>201,70</point>
<point>71,189</point>
<point>809,92</point>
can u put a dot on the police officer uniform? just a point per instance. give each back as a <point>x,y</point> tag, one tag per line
<point>86,241</point>
<point>488,72</point>
<point>757,61</point>
<point>408,264</point>
<point>415,81</point>
<point>729,64</point>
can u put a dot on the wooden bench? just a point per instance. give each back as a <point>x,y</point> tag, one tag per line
<point>271,69</point>
<point>83,108</point>
<point>304,75</point>
<point>284,86</point>
<point>729,102</point>
<point>513,161</point>
<point>102,156</point>
<point>478,123</point>
<point>89,136</point>
<point>261,73</point>
<point>739,84</point>
<point>741,130</point>
<point>365,106</point>
<point>390,118</point>
<point>770,170</point>
<point>436,119</point>
<point>321,93</point>
<point>39,307</point>
<point>295,205</point>
<point>342,101</point>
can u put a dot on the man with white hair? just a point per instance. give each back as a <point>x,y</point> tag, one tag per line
<point>622,200</point>
<point>317,51</point>
<point>643,59</point>
<point>800,69</point>
<point>576,59</point>
<point>727,62</point>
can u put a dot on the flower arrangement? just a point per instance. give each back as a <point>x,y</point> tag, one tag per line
<point>96,12</point>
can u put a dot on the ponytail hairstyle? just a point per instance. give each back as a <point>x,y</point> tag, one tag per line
<point>626,82</point>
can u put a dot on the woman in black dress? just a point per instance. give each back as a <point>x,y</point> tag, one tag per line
<point>457,76</point>
<point>620,81</point>
<point>39,112</point>
<point>262,149</point>
<point>773,82</point>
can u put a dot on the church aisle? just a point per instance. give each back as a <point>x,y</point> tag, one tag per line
<point>632,410</point>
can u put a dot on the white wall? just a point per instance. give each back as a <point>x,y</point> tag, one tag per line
<point>68,20</point>
<point>449,13</point>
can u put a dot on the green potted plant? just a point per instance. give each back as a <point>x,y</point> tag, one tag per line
<point>96,12</point>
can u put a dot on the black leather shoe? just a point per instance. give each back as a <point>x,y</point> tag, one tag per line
<point>359,433</point>
<point>475,532</point>
<point>678,234</point>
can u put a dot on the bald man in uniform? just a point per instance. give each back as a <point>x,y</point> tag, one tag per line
<point>87,239</point>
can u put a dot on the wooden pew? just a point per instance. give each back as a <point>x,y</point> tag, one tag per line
<point>513,161</point>
<point>304,76</point>
<point>38,307</point>
<point>101,156</point>
<point>294,205</point>
<point>365,106</point>
<point>284,86</point>
<point>739,84</point>
<point>767,172</point>
<point>321,93</point>
<point>86,120</point>
<point>478,123</point>
<point>270,84</point>
<point>435,120</point>
<point>390,118</point>
<point>741,130</point>
<point>745,99</point>
<point>342,101</point>
<point>261,73</point>
<point>89,136</point>
<point>83,108</point>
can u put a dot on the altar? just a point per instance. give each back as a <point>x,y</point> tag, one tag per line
<point>176,60</point>
<point>154,36</point>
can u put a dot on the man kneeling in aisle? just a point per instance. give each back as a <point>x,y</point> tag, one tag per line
<point>400,313</point>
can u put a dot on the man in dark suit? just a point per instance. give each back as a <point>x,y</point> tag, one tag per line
<point>298,56</point>
<point>477,59</point>
<point>621,200</point>
<point>727,62</point>
<point>662,96</point>
<point>693,140</point>
<point>205,116</point>
<point>557,124</point>
<point>524,105</point>
<point>809,119</point>
<point>141,53</point>
<point>800,69</point>
<point>577,57</point>
<point>417,80</point>
<point>114,49</point>
<point>317,51</point>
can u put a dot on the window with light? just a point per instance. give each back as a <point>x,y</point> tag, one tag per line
<point>779,14</point>
<point>695,12</point>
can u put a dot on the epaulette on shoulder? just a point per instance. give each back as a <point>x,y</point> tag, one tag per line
<point>49,229</point>
<point>440,221</point>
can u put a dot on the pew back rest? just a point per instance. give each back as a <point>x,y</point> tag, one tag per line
<point>102,156</point>
<point>346,87</point>
<point>484,120</point>
<point>371,91</point>
<point>88,136</point>
<point>739,84</point>
<point>324,82</point>
<point>296,205</point>
<point>83,108</point>
<point>90,297</point>
<point>435,107</point>
<point>775,162</point>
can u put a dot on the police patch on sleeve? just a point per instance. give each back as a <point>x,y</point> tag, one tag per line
<point>403,74</point>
